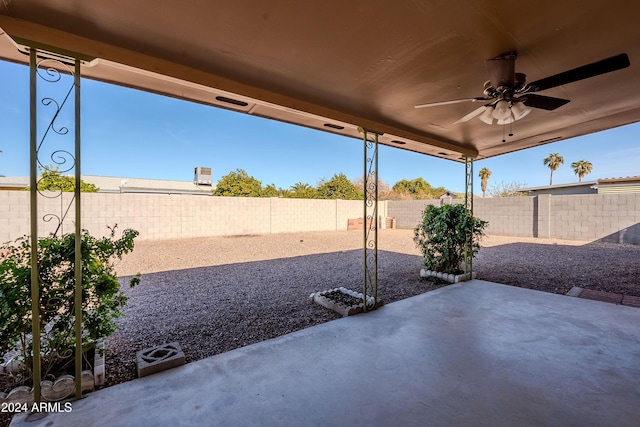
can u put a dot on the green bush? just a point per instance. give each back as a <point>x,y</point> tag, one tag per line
<point>442,236</point>
<point>338,187</point>
<point>102,298</point>
<point>51,180</point>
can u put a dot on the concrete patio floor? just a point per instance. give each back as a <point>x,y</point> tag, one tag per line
<point>471,354</point>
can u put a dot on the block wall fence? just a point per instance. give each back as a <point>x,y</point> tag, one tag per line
<point>165,216</point>
<point>606,217</point>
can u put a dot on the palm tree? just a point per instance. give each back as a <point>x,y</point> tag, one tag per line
<point>484,175</point>
<point>553,161</point>
<point>300,186</point>
<point>581,168</point>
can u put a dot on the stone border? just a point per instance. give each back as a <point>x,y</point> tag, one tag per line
<point>50,391</point>
<point>610,297</point>
<point>99,372</point>
<point>344,311</point>
<point>451,278</point>
<point>62,387</point>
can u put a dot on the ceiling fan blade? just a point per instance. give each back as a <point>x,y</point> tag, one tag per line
<point>471,115</point>
<point>501,71</point>
<point>543,102</point>
<point>454,101</point>
<point>586,71</point>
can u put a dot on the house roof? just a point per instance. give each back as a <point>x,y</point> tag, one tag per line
<point>621,180</point>
<point>336,65</point>
<point>566,185</point>
<point>600,181</point>
<point>111,184</point>
<point>143,185</point>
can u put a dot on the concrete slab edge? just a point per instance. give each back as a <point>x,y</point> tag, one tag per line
<point>575,291</point>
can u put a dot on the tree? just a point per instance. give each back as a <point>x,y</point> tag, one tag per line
<point>302,190</point>
<point>238,184</point>
<point>581,168</point>
<point>339,187</point>
<point>417,189</point>
<point>484,175</point>
<point>510,189</point>
<point>553,162</point>
<point>51,180</point>
<point>384,190</point>
<point>271,191</point>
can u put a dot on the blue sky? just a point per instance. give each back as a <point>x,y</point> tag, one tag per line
<point>134,134</point>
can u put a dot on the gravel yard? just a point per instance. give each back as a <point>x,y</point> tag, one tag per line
<point>216,294</point>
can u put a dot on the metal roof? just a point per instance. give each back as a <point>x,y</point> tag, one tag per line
<point>112,184</point>
<point>336,65</point>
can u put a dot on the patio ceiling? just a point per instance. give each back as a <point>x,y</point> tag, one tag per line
<point>335,65</point>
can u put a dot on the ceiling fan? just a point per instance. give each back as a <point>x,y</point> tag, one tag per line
<point>508,97</point>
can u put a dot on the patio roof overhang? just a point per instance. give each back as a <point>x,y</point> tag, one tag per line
<point>336,65</point>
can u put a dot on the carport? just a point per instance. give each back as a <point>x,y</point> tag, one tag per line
<point>357,69</point>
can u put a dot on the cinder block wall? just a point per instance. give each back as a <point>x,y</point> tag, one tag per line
<point>408,212</point>
<point>164,216</point>
<point>289,215</point>
<point>604,217</point>
<point>507,216</point>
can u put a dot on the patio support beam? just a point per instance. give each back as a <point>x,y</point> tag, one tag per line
<point>33,204</point>
<point>370,182</point>
<point>58,75</point>
<point>468,203</point>
<point>78,240</point>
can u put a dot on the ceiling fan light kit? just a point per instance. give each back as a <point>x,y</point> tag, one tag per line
<point>487,116</point>
<point>502,110</point>
<point>509,97</point>
<point>519,110</point>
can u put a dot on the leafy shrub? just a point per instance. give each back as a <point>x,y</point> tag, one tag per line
<point>338,187</point>
<point>442,236</point>
<point>102,298</point>
<point>238,184</point>
<point>52,180</point>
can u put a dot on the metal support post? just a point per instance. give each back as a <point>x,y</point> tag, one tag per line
<point>33,196</point>
<point>468,203</point>
<point>370,285</point>
<point>78,241</point>
<point>57,77</point>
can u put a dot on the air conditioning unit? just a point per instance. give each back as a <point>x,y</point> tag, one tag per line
<point>202,176</point>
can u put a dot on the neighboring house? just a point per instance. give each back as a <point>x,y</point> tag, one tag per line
<point>14,182</point>
<point>449,195</point>
<point>109,184</point>
<point>584,187</point>
<point>630,184</point>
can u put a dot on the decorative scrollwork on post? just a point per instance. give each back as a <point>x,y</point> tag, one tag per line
<point>468,203</point>
<point>370,285</point>
<point>55,78</point>
<point>54,122</point>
